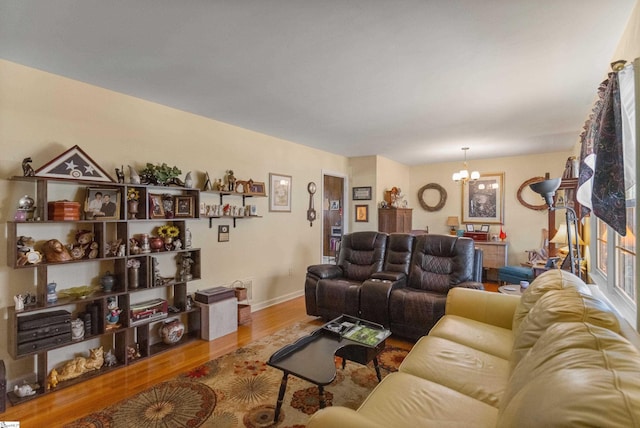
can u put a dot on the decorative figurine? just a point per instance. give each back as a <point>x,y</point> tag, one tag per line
<point>185,269</point>
<point>25,390</point>
<point>19,302</point>
<point>110,359</point>
<point>27,169</point>
<point>52,296</point>
<point>120,174</point>
<point>113,313</point>
<point>231,181</point>
<point>188,181</point>
<point>77,367</point>
<point>134,178</point>
<point>187,238</point>
<point>54,251</point>
<point>77,329</point>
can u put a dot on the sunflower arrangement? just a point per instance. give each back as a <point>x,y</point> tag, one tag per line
<point>168,231</point>
<point>133,194</point>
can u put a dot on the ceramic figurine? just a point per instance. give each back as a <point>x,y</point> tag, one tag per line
<point>134,177</point>
<point>24,390</point>
<point>52,296</point>
<point>120,174</point>
<point>110,359</point>
<point>19,301</point>
<point>27,169</point>
<point>113,314</point>
<point>188,181</point>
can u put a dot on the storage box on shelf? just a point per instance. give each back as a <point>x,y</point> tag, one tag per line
<point>103,243</point>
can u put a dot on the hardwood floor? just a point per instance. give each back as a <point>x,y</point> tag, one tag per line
<point>68,404</point>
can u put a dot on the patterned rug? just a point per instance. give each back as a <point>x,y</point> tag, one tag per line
<point>240,390</point>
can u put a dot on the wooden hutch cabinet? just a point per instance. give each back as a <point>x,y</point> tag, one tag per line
<point>394,220</point>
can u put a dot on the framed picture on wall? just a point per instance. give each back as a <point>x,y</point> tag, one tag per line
<point>362,193</point>
<point>362,213</point>
<point>279,192</point>
<point>483,199</point>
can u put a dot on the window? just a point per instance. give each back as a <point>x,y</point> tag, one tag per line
<point>615,267</point>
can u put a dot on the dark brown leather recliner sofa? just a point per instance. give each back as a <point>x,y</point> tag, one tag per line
<point>405,291</point>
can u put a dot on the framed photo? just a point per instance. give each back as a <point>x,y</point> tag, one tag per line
<point>223,233</point>
<point>483,200</point>
<point>484,228</point>
<point>362,213</point>
<point>168,205</point>
<point>334,205</point>
<point>102,203</point>
<point>184,206</point>
<point>156,208</point>
<point>256,188</point>
<point>279,193</point>
<point>362,193</point>
<point>470,228</point>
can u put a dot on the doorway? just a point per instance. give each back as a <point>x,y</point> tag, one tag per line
<point>334,213</point>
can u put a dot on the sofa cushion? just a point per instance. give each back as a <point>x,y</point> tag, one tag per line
<point>404,400</point>
<point>554,279</point>
<point>474,373</point>
<point>484,337</point>
<point>564,305</point>
<point>577,374</point>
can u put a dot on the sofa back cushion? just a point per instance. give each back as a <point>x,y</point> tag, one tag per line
<point>362,254</point>
<point>554,279</point>
<point>577,374</point>
<point>439,262</point>
<point>399,248</point>
<point>566,305</point>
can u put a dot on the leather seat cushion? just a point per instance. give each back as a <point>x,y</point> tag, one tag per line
<point>487,338</point>
<point>404,400</point>
<point>471,372</point>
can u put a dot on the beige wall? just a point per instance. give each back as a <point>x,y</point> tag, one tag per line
<point>522,225</point>
<point>42,115</point>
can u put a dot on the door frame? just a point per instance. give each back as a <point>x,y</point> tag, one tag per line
<point>345,205</point>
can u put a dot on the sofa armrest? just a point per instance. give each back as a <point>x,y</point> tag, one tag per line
<point>325,271</point>
<point>471,284</point>
<point>343,417</point>
<point>484,306</point>
<point>389,276</point>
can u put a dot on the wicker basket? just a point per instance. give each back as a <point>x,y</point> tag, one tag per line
<point>244,314</point>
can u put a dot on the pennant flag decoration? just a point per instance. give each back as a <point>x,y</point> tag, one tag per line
<point>74,164</point>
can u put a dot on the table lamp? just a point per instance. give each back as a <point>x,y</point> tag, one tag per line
<point>452,222</point>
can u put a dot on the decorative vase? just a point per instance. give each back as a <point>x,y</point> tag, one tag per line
<point>171,331</point>
<point>134,279</point>
<point>108,281</point>
<point>144,243</point>
<point>156,243</point>
<point>503,235</point>
<point>132,207</point>
<point>52,296</point>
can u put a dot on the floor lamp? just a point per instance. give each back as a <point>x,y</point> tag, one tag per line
<point>547,189</point>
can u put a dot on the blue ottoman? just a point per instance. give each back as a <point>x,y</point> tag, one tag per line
<point>514,274</point>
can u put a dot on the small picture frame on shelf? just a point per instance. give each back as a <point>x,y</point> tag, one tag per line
<point>102,203</point>
<point>484,228</point>
<point>156,208</point>
<point>183,206</point>
<point>469,228</point>
<point>168,205</point>
<point>256,188</point>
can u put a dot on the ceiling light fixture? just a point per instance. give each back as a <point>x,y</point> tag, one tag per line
<point>463,175</point>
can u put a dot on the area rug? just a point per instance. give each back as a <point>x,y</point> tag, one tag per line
<point>240,390</point>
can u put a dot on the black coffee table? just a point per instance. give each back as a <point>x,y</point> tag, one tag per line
<point>312,357</point>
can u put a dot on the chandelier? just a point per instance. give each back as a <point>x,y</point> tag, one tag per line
<point>463,175</point>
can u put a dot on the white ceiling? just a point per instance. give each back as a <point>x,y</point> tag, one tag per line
<point>413,81</point>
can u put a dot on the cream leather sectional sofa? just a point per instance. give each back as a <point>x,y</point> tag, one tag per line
<point>556,357</point>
